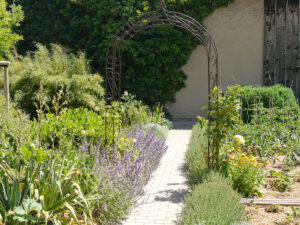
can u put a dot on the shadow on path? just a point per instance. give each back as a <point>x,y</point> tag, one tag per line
<point>174,196</point>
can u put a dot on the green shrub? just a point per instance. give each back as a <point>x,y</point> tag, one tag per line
<point>160,131</point>
<point>15,132</point>
<point>214,204</point>
<point>8,20</point>
<point>272,96</point>
<point>134,112</point>
<point>196,155</point>
<point>223,120</point>
<point>214,176</point>
<point>56,72</point>
<point>70,127</point>
<point>196,160</point>
<point>271,131</point>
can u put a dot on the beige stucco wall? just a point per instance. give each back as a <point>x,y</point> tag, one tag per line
<point>238,33</point>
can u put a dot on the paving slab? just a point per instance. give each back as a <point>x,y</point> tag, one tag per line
<point>162,201</point>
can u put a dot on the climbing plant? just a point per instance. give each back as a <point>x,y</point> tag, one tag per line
<point>151,68</point>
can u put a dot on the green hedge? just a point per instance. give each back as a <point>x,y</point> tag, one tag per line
<point>195,155</point>
<point>277,96</point>
<point>152,60</point>
<point>213,203</point>
<point>212,200</point>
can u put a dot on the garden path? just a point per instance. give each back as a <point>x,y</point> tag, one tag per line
<point>163,198</point>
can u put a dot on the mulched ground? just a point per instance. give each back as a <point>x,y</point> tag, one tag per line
<point>277,215</point>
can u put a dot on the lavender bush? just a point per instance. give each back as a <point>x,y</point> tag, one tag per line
<point>129,171</point>
<point>134,169</point>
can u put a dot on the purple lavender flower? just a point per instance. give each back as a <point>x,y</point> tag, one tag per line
<point>132,170</point>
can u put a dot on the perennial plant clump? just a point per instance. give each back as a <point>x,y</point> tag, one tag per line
<point>54,71</point>
<point>132,169</point>
<point>124,174</point>
<point>213,203</point>
<point>242,167</point>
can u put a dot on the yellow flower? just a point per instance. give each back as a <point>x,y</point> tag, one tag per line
<point>254,164</point>
<point>197,162</point>
<point>268,162</point>
<point>234,164</point>
<point>239,139</point>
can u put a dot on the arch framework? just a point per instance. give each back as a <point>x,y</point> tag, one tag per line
<point>161,17</point>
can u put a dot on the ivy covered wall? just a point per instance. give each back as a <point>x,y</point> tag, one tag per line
<point>152,60</point>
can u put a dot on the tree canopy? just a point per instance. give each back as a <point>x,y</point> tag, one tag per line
<point>10,17</point>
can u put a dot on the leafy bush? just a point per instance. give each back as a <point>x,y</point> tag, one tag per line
<point>151,68</point>
<point>196,154</point>
<point>224,116</point>
<point>160,131</point>
<point>282,181</point>
<point>55,72</point>
<point>9,19</point>
<point>272,131</point>
<point>273,96</point>
<point>246,174</point>
<point>50,191</point>
<point>241,167</point>
<point>70,127</point>
<point>136,112</point>
<point>212,203</point>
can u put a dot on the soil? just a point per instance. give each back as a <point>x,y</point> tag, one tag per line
<point>277,215</point>
<point>260,216</point>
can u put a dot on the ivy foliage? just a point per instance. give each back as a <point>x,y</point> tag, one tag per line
<point>8,20</point>
<point>151,61</point>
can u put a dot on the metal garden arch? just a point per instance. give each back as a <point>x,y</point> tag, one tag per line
<point>158,18</point>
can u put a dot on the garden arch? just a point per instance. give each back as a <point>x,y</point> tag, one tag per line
<point>159,18</point>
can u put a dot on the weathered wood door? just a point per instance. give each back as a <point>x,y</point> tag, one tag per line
<point>282,44</point>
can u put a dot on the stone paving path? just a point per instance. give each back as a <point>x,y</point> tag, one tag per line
<point>164,194</point>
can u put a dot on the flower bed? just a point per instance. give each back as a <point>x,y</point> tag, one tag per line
<point>59,165</point>
<point>249,149</point>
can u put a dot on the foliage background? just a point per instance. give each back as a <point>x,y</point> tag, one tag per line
<point>152,60</point>
<point>49,72</point>
<point>9,19</point>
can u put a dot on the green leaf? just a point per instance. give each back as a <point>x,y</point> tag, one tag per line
<point>28,206</point>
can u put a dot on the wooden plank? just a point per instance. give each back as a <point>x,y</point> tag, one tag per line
<point>283,202</point>
<point>269,36</point>
<point>292,42</point>
<point>297,87</point>
<point>280,59</point>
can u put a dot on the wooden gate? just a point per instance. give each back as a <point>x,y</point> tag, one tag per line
<point>281,44</point>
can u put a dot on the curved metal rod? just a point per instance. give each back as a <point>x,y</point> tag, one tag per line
<point>162,17</point>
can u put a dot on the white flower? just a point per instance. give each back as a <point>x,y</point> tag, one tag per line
<point>125,93</point>
<point>134,140</point>
<point>239,139</point>
<point>83,132</point>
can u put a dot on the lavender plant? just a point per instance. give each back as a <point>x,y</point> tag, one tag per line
<point>126,173</point>
<point>133,169</point>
